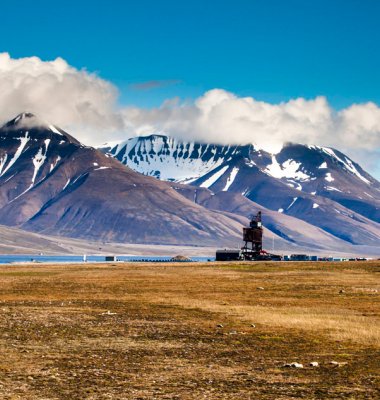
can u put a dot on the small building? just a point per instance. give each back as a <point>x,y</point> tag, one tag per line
<point>299,257</point>
<point>228,255</point>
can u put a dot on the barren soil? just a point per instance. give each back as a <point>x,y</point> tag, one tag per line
<point>190,331</point>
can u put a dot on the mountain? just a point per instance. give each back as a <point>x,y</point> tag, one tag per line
<point>169,159</point>
<point>318,185</point>
<point>52,184</point>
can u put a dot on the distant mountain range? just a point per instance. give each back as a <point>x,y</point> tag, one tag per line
<point>311,197</point>
<point>318,185</point>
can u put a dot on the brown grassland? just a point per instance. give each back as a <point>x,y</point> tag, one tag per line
<point>190,331</point>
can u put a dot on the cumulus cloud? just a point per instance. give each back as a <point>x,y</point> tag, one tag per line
<point>86,106</point>
<point>222,117</point>
<point>55,91</point>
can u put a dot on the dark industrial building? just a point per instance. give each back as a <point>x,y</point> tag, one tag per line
<point>253,245</point>
<point>228,255</point>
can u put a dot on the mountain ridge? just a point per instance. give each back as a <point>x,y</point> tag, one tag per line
<point>52,184</point>
<point>318,185</point>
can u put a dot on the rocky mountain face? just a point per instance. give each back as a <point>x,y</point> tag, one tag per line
<point>169,159</point>
<point>318,185</point>
<point>52,184</point>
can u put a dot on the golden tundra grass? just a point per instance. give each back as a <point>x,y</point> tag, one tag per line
<point>190,331</point>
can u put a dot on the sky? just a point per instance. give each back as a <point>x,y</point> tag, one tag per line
<point>287,69</point>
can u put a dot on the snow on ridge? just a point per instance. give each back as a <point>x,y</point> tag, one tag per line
<point>231,178</point>
<point>169,158</point>
<point>332,188</point>
<point>39,159</point>
<point>67,184</point>
<point>315,205</point>
<point>23,141</point>
<point>250,163</point>
<point>52,166</point>
<point>55,130</point>
<point>292,203</point>
<point>3,161</point>
<point>294,184</point>
<point>323,165</point>
<point>348,164</point>
<point>328,177</point>
<point>288,169</point>
<point>213,178</point>
<point>98,169</point>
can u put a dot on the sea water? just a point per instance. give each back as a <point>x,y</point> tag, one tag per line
<point>25,258</point>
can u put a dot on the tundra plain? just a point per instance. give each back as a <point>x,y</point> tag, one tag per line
<point>190,331</point>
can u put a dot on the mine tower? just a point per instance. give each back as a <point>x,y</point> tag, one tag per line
<point>253,245</point>
<point>253,239</point>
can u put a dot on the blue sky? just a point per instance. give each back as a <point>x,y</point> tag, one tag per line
<point>262,54</point>
<point>272,50</point>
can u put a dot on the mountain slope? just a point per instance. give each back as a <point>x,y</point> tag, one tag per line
<point>51,183</point>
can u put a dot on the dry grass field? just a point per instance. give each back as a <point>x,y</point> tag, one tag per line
<point>190,331</point>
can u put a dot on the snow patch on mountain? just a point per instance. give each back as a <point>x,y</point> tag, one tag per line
<point>231,178</point>
<point>347,163</point>
<point>328,177</point>
<point>54,164</point>
<point>332,188</point>
<point>288,169</point>
<point>39,159</point>
<point>169,158</point>
<point>351,167</point>
<point>213,178</point>
<point>55,130</point>
<point>23,141</point>
<point>292,203</point>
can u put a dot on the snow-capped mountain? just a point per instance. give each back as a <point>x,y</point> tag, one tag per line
<point>170,159</point>
<point>51,183</point>
<point>319,185</point>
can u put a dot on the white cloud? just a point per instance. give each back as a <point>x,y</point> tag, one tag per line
<point>57,92</point>
<point>222,117</point>
<point>86,106</point>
